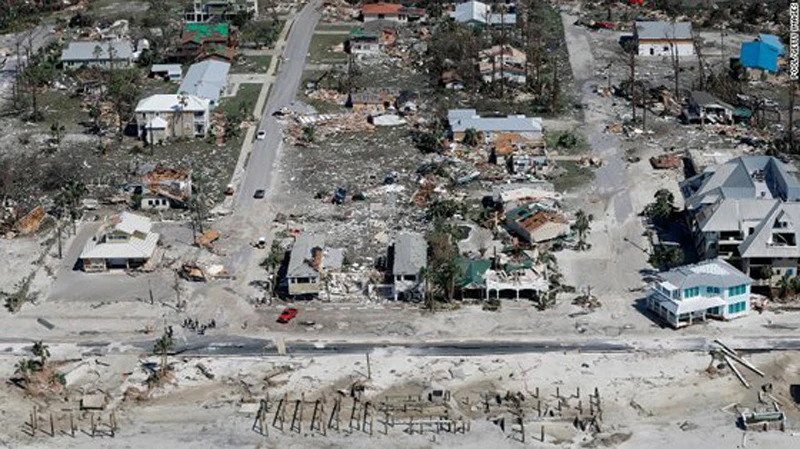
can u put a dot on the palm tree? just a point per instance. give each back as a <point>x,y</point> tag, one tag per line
<point>426,276</point>
<point>42,351</point>
<point>162,347</point>
<point>24,368</point>
<point>582,226</point>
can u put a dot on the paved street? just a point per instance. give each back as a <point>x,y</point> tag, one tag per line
<point>612,179</point>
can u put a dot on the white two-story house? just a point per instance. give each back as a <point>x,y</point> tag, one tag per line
<point>163,116</point>
<point>691,293</point>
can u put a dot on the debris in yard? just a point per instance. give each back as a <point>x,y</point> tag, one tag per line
<point>667,161</point>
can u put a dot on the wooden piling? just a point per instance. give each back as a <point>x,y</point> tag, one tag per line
<point>542,434</point>
<point>52,427</point>
<point>71,425</point>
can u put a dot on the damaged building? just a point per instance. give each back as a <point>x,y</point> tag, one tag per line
<point>310,261</point>
<point>536,224</point>
<point>409,256</point>
<point>164,187</point>
<point>747,209</point>
<point>528,129</point>
<point>125,241</point>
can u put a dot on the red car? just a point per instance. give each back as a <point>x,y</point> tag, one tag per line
<point>287,315</point>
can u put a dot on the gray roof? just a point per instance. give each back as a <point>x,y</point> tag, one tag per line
<point>734,214</point>
<point>761,243</point>
<point>762,177</point>
<point>410,253</point>
<point>85,50</point>
<point>206,79</point>
<point>464,119</point>
<point>169,68</point>
<point>702,98</point>
<point>714,272</point>
<point>302,256</point>
<point>664,30</point>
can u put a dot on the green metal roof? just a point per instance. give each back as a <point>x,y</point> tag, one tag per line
<point>471,272</point>
<point>201,31</point>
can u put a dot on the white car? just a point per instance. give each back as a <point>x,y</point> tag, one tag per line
<point>261,135</point>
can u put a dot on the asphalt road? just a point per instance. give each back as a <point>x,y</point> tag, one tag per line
<point>260,167</point>
<point>215,346</point>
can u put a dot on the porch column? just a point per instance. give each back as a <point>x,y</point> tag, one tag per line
<point>517,295</point>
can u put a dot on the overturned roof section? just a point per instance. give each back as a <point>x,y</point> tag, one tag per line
<point>705,99</point>
<point>206,80</point>
<point>664,30</point>
<point>714,272</point>
<point>97,50</point>
<point>410,254</point>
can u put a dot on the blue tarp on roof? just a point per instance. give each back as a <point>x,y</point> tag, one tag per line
<point>773,41</point>
<point>759,55</point>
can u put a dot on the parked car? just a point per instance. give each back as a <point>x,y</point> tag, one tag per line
<point>259,194</point>
<point>261,135</point>
<point>287,315</point>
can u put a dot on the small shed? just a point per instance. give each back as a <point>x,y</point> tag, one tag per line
<point>169,72</point>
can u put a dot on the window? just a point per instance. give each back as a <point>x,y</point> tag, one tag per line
<point>738,290</point>
<point>737,307</point>
<point>691,292</point>
<point>790,271</point>
<point>713,290</point>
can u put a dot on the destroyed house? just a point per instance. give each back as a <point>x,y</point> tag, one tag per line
<point>164,187</point>
<point>470,281</point>
<point>489,128</point>
<point>692,293</point>
<point>725,204</point>
<point>516,281</point>
<point>480,14</point>
<point>204,38</point>
<point>209,10</point>
<point>363,43</point>
<point>393,12</point>
<point>124,242</point>
<point>309,262</point>
<point>104,54</point>
<point>373,100</point>
<point>409,257</point>
<point>206,80</point>
<point>658,38</point>
<point>706,108</point>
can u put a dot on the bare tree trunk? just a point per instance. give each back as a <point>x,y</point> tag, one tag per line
<point>632,65</point>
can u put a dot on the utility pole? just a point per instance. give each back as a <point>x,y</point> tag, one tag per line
<point>632,64</point>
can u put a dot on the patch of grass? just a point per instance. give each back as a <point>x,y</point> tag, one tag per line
<point>334,27</point>
<point>319,49</point>
<point>63,107</point>
<point>252,64</point>
<point>247,96</point>
<point>575,176</point>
